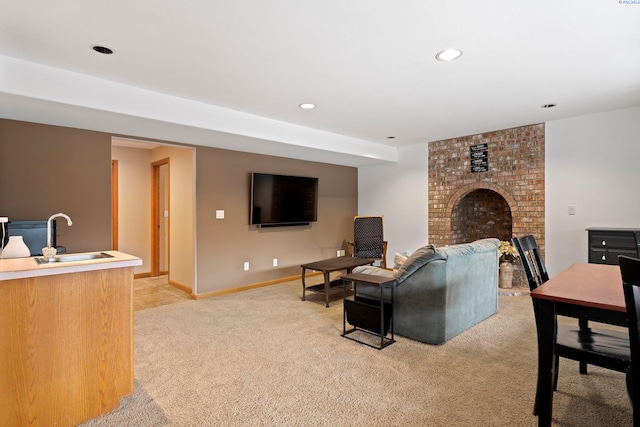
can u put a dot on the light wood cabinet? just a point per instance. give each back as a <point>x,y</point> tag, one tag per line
<point>66,346</point>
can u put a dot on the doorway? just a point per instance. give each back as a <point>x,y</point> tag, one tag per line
<point>160,235</point>
<point>155,208</point>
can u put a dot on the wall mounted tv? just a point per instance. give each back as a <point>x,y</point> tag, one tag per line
<point>281,200</point>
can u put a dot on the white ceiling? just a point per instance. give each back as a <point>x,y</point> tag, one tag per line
<point>231,74</point>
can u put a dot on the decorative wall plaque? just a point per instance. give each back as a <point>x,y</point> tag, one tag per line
<point>479,158</point>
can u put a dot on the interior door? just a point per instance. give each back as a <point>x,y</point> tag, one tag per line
<point>160,218</point>
<point>114,205</point>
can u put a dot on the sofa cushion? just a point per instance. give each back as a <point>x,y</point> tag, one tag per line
<point>371,269</point>
<point>417,260</point>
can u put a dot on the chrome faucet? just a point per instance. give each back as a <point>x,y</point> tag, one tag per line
<point>69,223</point>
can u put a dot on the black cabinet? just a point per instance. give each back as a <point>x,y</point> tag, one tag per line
<point>605,244</point>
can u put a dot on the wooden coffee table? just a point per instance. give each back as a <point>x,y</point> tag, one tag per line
<point>327,266</point>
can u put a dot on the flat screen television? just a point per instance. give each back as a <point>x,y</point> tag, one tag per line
<point>280,200</point>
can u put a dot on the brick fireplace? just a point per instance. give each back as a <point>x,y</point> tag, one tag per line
<point>503,197</point>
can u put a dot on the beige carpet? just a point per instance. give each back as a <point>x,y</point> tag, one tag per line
<point>265,358</point>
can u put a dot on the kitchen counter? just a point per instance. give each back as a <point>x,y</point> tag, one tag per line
<point>66,339</point>
<point>20,268</point>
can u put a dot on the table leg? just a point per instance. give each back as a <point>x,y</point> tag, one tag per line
<point>381,317</point>
<point>344,308</point>
<point>304,286</point>
<point>327,287</point>
<point>546,325</point>
<point>392,321</point>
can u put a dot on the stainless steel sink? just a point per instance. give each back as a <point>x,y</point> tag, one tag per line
<point>73,258</point>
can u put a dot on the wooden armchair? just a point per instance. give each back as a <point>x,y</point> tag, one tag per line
<point>368,240</point>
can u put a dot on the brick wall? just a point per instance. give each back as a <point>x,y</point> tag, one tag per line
<point>513,185</point>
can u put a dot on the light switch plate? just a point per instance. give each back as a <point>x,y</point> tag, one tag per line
<point>219,214</point>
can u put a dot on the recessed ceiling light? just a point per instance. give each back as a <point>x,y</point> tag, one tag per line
<point>307,106</point>
<point>548,105</point>
<point>102,49</point>
<point>448,55</point>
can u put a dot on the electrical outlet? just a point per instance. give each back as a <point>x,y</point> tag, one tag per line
<point>572,210</point>
<point>342,252</point>
<point>338,253</point>
<point>275,262</point>
<point>246,266</point>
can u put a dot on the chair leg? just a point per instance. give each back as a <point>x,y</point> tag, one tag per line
<point>555,373</point>
<point>635,401</point>
<point>584,327</point>
<point>583,367</point>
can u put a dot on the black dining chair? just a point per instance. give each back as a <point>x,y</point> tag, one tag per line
<point>589,346</point>
<point>630,270</point>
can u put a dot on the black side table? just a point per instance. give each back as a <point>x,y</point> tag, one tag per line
<point>366,314</point>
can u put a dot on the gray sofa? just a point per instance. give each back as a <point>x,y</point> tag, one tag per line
<point>442,292</point>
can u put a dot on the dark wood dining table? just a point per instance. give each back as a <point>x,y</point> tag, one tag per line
<point>591,290</point>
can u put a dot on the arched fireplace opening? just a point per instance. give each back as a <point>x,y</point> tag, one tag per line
<point>479,214</point>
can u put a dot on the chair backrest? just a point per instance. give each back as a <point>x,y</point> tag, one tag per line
<point>630,270</point>
<point>531,260</point>
<point>368,237</point>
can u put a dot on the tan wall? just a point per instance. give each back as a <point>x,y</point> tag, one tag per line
<point>75,167</point>
<point>134,204</point>
<point>223,183</point>
<point>49,169</point>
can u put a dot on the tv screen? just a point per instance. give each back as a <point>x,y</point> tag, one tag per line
<point>283,199</point>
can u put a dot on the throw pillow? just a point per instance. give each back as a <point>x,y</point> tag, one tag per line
<point>398,260</point>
